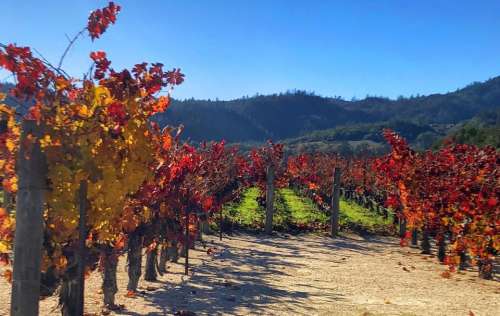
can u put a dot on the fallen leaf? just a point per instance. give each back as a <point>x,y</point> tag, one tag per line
<point>446,274</point>
<point>131,294</point>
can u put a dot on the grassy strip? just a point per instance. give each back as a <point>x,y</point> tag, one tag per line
<point>353,215</point>
<point>293,211</point>
<point>303,210</point>
<point>247,213</point>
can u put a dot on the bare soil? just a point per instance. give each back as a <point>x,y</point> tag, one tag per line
<point>299,275</point>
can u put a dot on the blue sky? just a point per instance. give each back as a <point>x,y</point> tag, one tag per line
<point>231,48</point>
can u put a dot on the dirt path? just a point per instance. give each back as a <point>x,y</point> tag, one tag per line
<point>304,275</point>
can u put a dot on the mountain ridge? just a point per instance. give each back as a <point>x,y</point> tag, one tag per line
<point>294,114</point>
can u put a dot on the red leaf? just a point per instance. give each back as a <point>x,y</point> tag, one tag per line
<point>175,77</point>
<point>100,19</point>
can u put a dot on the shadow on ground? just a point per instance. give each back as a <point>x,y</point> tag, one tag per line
<point>242,277</point>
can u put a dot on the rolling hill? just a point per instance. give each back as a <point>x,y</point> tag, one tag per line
<point>296,114</point>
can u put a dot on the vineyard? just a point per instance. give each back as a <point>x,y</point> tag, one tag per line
<point>91,184</point>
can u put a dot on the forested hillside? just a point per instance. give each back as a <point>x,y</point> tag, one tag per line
<point>483,129</point>
<point>295,114</point>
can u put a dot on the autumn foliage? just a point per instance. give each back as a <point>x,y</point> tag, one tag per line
<point>141,178</point>
<point>451,194</point>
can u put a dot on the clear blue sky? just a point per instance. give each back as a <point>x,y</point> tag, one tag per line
<point>231,48</point>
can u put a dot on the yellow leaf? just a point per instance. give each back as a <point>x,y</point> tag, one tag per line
<point>83,111</point>
<point>61,83</point>
<point>101,93</point>
<point>46,141</point>
<point>3,247</point>
<point>10,144</point>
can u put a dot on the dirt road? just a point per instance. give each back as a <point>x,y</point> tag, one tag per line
<point>301,275</point>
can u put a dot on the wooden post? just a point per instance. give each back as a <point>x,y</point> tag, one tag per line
<point>82,236</point>
<point>269,200</point>
<point>186,243</point>
<point>402,226</point>
<point>32,171</point>
<point>220,223</point>
<point>203,227</point>
<point>199,236</point>
<point>335,205</point>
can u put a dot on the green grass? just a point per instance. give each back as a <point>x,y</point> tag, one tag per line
<point>303,211</point>
<point>247,212</point>
<point>352,214</point>
<point>292,210</point>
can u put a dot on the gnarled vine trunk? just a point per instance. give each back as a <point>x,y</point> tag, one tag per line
<point>151,264</point>
<point>414,237</point>
<point>402,227</point>
<point>69,290</point>
<point>463,260</point>
<point>173,251</point>
<point>486,264</point>
<point>205,227</point>
<point>485,269</point>
<point>134,259</point>
<point>182,251</point>
<point>49,282</point>
<point>109,286</point>
<point>162,265</point>
<point>426,245</point>
<point>441,247</point>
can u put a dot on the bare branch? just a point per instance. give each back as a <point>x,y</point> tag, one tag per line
<point>71,42</point>
<point>47,63</point>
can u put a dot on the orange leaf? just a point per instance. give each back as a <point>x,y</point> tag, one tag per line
<point>162,104</point>
<point>130,294</point>
<point>446,274</point>
<point>167,141</point>
<point>120,242</point>
<point>8,275</point>
<point>61,83</point>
